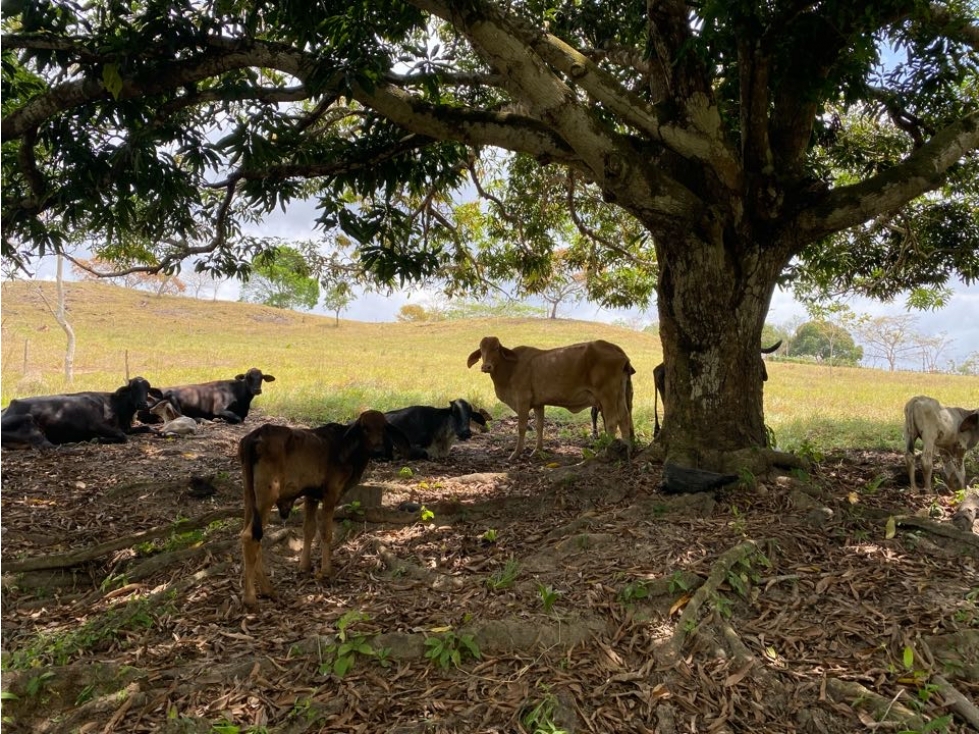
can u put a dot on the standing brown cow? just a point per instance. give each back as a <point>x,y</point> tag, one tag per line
<point>578,376</point>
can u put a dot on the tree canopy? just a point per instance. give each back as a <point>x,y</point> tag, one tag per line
<point>824,340</point>
<point>281,278</point>
<point>704,153</point>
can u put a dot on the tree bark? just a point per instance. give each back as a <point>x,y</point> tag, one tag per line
<point>715,291</point>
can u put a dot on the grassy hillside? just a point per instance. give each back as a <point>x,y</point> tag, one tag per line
<point>324,372</point>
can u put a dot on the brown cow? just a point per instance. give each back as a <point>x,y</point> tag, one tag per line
<point>575,377</point>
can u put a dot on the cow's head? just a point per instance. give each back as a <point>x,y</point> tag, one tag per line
<point>139,392</point>
<point>462,414</point>
<point>253,380</point>
<point>492,354</point>
<point>370,432</point>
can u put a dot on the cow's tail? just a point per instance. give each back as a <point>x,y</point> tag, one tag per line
<point>910,430</point>
<point>248,453</point>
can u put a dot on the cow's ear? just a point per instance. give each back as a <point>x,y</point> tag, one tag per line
<point>970,422</point>
<point>473,358</point>
<point>156,392</point>
<point>268,378</point>
<point>508,354</point>
<point>239,377</point>
<point>478,417</point>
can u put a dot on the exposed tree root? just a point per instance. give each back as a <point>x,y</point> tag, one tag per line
<point>718,575</point>
<point>84,555</point>
<point>956,702</point>
<point>938,528</point>
<point>877,707</point>
<point>967,512</point>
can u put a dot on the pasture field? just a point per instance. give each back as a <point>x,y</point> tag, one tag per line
<point>325,372</point>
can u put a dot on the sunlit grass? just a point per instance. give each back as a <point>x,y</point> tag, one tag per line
<point>327,373</point>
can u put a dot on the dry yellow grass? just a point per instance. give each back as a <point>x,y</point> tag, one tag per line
<point>326,372</point>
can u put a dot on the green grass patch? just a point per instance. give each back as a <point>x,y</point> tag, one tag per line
<point>65,645</point>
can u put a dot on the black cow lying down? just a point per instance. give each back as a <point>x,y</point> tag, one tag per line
<point>432,431</point>
<point>229,400</point>
<point>47,420</point>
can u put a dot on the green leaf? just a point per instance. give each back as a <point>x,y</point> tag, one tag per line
<point>111,80</point>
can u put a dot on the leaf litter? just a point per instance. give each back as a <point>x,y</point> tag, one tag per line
<point>780,607</point>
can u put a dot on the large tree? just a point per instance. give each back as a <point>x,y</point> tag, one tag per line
<point>711,150</point>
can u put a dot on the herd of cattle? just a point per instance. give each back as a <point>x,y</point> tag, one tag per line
<point>280,464</point>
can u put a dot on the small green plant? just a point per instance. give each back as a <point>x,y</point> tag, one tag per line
<point>340,658</point>
<point>770,437</point>
<point>808,450</point>
<point>504,577</point>
<point>449,648</point>
<point>633,592</point>
<point>874,484</point>
<point>739,524</point>
<point>405,472</point>
<point>426,514</point>
<point>548,596</point>
<point>489,536</point>
<point>539,717</point>
<point>225,727</point>
<point>746,478</point>
<point>935,726</point>
<point>677,583</point>
<point>38,683</point>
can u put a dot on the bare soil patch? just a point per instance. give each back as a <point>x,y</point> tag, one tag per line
<point>595,603</point>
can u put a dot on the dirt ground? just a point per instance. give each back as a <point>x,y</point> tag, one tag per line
<point>557,594</point>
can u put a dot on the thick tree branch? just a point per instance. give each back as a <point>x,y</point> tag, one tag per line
<point>921,172</point>
<point>165,77</point>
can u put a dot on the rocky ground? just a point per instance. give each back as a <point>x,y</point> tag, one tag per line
<point>563,594</point>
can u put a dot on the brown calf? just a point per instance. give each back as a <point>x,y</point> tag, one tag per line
<point>281,464</point>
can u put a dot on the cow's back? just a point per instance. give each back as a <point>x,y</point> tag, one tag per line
<point>574,376</point>
<point>204,400</point>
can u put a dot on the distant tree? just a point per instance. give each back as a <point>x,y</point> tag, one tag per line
<point>971,365</point>
<point>562,283</point>
<point>200,281</point>
<point>412,313</point>
<point>281,277</point>
<point>466,308</point>
<point>825,341</point>
<point>336,298</point>
<point>889,338</point>
<point>931,349</point>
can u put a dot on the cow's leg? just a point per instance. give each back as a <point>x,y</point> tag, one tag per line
<point>927,463</point>
<point>326,538</point>
<point>250,550</point>
<point>229,416</point>
<point>309,532</point>
<point>522,415</point>
<point>539,420</point>
<point>909,462</point>
<point>109,434</point>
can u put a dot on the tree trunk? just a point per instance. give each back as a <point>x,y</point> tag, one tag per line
<point>62,319</point>
<point>713,300</point>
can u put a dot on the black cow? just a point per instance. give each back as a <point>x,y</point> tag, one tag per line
<point>432,431</point>
<point>55,419</point>
<point>227,399</point>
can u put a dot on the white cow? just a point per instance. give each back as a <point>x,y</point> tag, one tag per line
<point>950,431</point>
